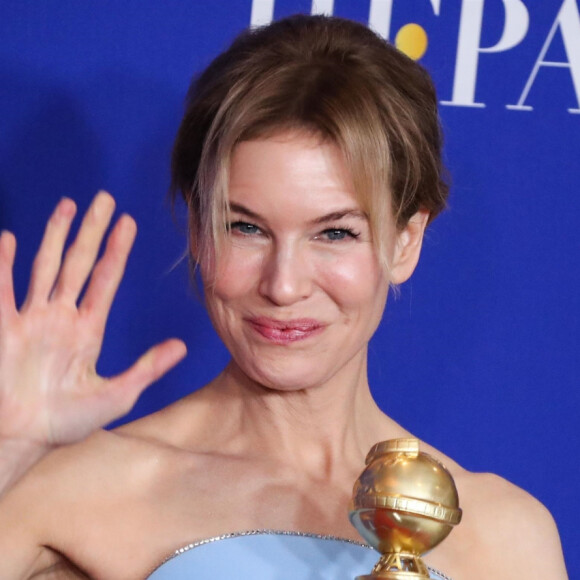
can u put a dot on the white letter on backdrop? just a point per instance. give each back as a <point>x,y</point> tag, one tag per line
<point>322,7</point>
<point>262,12</point>
<point>515,29</point>
<point>568,20</point>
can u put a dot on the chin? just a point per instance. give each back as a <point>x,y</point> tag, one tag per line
<point>286,377</point>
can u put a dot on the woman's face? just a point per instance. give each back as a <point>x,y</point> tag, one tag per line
<point>297,291</point>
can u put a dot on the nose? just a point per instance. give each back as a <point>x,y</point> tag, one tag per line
<point>286,275</point>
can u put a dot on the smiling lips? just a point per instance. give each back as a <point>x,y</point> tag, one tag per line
<point>285,331</point>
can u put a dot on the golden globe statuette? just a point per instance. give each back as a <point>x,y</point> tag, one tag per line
<point>404,503</point>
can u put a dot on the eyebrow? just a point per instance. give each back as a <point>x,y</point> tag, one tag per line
<point>330,217</point>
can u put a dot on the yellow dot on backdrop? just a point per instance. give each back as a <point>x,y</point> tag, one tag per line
<point>412,40</point>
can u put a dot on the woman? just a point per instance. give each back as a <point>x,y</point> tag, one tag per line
<point>309,158</point>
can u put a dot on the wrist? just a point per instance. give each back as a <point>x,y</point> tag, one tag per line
<point>17,456</point>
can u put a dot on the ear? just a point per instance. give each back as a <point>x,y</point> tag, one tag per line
<point>408,247</point>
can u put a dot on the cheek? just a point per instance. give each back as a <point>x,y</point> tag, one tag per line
<point>356,279</point>
<point>236,275</point>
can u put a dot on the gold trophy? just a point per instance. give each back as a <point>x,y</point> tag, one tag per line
<point>404,503</point>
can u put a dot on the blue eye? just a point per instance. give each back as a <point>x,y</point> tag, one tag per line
<point>244,228</point>
<point>337,234</point>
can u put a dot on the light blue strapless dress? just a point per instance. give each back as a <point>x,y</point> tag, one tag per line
<point>271,555</point>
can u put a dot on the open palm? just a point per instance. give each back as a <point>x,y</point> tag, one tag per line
<point>50,393</point>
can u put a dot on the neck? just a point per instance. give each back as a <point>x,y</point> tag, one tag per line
<point>324,429</point>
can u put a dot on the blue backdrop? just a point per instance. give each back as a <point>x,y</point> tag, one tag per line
<point>479,354</point>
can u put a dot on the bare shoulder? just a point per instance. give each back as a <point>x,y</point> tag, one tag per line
<point>107,480</point>
<point>75,471</point>
<point>137,460</point>
<point>505,532</point>
<point>29,511</point>
<point>510,522</point>
<point>512,533</point>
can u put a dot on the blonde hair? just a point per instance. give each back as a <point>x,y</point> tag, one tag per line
<point>333,78</point>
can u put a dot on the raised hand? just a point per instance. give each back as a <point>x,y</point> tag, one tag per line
<point>50,393</point>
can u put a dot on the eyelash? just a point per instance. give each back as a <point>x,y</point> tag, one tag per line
<point>343,232</point>
<point>237,226</point>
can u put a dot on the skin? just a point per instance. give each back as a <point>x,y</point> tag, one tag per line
<point>275,441</point>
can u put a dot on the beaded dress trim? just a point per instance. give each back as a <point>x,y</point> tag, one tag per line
<point>199,543</point>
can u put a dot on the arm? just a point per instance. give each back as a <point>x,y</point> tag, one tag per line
<point>50,393</point>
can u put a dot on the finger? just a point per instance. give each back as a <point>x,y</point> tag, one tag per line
<point>7,253</point>
<point>48,258</point>
<point>81,256</point>
<point>109,270</point>
<point>125,388</point>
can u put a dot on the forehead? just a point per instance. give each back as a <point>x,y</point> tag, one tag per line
<point>290,167</point>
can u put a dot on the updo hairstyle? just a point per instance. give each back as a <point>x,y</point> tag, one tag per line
<point>333,78</point>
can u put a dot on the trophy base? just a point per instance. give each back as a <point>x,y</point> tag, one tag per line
<point>398,566</point>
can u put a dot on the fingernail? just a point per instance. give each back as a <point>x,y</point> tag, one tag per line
<point>66,206</point>
<point>103,203</point>
<point>5,233</point>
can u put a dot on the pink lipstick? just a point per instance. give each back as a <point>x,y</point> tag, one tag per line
<point>285,331</point>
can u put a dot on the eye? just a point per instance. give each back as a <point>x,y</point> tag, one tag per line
<point>244,228</point>
<point>338,234</point>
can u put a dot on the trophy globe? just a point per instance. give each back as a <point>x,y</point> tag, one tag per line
<point>404,504</point>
